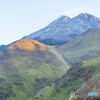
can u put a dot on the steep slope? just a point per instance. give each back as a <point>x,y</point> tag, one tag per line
<point>83,22</point>
<point>65,29</point>
<point>27,66</point>
<point>73,81</point>
<point>84,47</point>
<point>49,30</point>
<point>93,85</point>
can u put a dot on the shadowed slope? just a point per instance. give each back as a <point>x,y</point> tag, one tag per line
<point>89,38</point>
<point>84,47</point>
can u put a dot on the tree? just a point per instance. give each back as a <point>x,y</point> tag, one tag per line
<point>85,78</point>
<point>56,88</point>
<point>41,95</point>
<point>68,90</point>
<point>52,94</point>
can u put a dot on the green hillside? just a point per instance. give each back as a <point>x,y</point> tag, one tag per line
<point>71,81</point>
<point>82,48</point>
<point>24,72</point>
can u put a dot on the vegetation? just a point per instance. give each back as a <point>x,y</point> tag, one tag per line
<point>93,85</point>
<point>84,47</point>
<point>28,71</point>
<point>6,89</point>
<point>86,75</point>
<point>73,80</point>
<point>52,41</point>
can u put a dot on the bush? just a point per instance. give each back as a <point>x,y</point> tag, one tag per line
<point>5,89</point>
<point>18,83</point>
<point>35,98</point>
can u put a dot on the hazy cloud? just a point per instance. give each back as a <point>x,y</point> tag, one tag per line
<point>93,8</point>
<point>75,11</point>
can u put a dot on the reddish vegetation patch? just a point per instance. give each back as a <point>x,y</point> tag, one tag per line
<point>28,44</point>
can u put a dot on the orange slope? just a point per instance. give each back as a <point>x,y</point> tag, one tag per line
<point>28,44</point>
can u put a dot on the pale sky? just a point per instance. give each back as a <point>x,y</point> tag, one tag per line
<point>23,17</point>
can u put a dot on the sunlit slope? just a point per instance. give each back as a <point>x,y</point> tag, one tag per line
<point>84,47</point>
<point>28,68</point>
<point>28,44</point>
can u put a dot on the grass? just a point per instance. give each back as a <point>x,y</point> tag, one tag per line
<point>74,80</point>
<point>82,55</point>
<point>82,48</point>
<point>53,50</point>
<point>28,71</point>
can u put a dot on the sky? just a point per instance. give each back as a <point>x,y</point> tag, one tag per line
<point>19,18</point>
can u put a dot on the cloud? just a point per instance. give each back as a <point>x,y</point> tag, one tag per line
<point>93,8</point>
<point>75,11</point>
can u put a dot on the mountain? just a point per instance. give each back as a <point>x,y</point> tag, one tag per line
<point>26,66</point>
<point>82,48</point>
<point>64,29</point>
<point>2,46</point>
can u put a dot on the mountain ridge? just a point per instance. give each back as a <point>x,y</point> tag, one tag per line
<point>64,26</point>
<point>75,43</point>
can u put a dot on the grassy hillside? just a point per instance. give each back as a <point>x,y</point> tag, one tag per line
<point>89,38</point>
<point>53,50</point>
<point>84,53</point>
<point>27,70</point>
<point>82,48</point>
<point>71,81</point>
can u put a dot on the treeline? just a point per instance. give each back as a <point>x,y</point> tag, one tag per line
<point>53,41</point>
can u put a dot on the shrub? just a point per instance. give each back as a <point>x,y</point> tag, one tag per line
<point>35,98</point>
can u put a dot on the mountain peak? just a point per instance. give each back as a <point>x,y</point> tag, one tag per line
<point>63,18</point>
<point>28,44</point>
<point>87,16</point>
<point>84,15</point>
<point>66,26</point>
